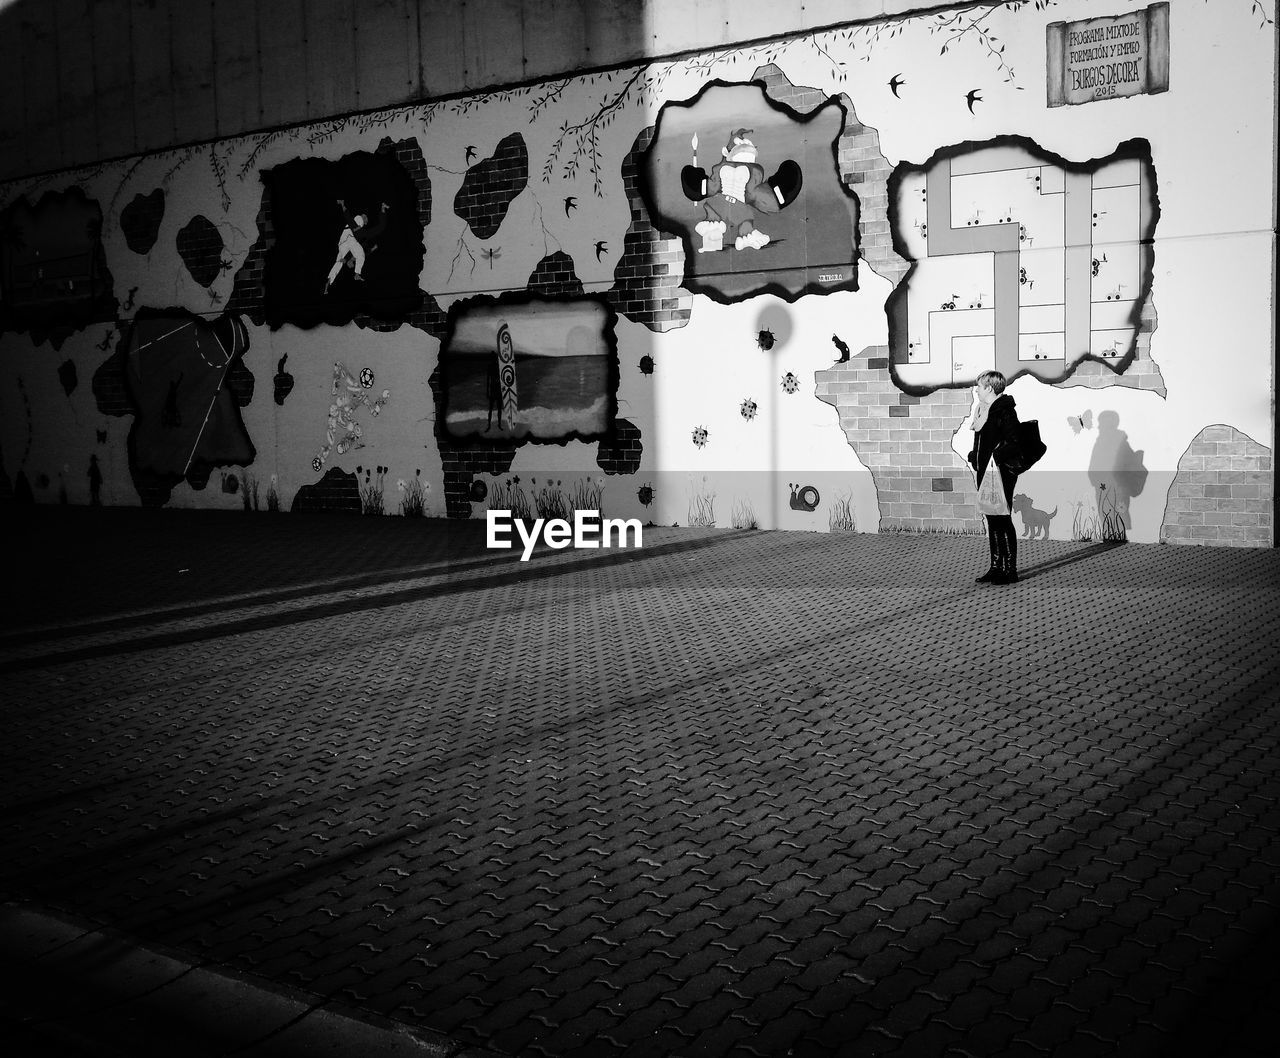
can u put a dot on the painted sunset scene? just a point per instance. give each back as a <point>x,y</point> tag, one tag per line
<point>528,370</point>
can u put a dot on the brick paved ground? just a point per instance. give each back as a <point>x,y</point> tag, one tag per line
<point>734,794</point>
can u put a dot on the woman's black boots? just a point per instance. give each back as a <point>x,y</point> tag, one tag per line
<point>992,542</point>
<point>1006,553</point>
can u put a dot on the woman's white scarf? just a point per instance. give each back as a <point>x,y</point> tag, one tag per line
<point>980,412</point>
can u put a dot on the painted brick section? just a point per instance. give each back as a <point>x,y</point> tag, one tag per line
<point>247,289</point>
<point>337,491</point>
<point>200,246</point>
<point>1222,493</point>
<point>555,276</point>
<point>490,186</point>
<point>409,155</point>
<point>461,464</point>
<point>110,390</point>
<point>862,168</point>
<point>428,316</point>
<point>646,280</point>
<point>621,455</point>
<point>866,171</point>
<point>920,482</point>
<point>140,221</point>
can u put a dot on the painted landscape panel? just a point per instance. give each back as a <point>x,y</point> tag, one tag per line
<point>539,370</point>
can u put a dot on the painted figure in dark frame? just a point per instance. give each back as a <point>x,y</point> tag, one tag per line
<point>359,237</point>
<point>493,390</point>
<point>995,423</point>
<point>734,191</point>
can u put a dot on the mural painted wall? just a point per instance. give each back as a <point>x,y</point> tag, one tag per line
<point>744,287</point>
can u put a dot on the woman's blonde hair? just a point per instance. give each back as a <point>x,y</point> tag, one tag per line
<point>994,379</point>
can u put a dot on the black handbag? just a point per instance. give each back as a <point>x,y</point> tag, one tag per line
<point>1024,451</point>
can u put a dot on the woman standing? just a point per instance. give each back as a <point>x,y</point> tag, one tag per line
<point>995,421</point>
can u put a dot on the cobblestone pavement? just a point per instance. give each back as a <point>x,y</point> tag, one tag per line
<point>731,794</point>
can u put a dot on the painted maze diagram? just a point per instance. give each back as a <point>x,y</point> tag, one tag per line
<point>1022,265</point>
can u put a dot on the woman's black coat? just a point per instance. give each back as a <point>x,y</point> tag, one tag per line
<point>1001,426</point>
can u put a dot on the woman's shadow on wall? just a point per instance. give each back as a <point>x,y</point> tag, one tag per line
<point>1116,472</point>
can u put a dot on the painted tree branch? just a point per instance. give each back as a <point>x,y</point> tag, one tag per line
<point>539,104</point>
<point>219,174</point>
<point>586,137</point>
<point>964,23</point>
<point>259,147</point>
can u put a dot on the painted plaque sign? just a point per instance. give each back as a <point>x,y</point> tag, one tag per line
<point>1108,58</point>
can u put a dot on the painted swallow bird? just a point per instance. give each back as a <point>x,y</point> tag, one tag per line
<point>894,82</point>
<point>570,202</point>
<point>973,97</point>
<point>601,247</point>
<point>471,153</point>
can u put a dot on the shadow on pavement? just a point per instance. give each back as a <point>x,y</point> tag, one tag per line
<point>523,572</point>
<point>1069,560</point>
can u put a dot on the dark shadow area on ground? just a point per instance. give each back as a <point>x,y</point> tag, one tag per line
<point>345,607</point>
<point>24,809</point>
<point>518,572</point>
<point>1068,560</point>
<point>1145,814</point>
